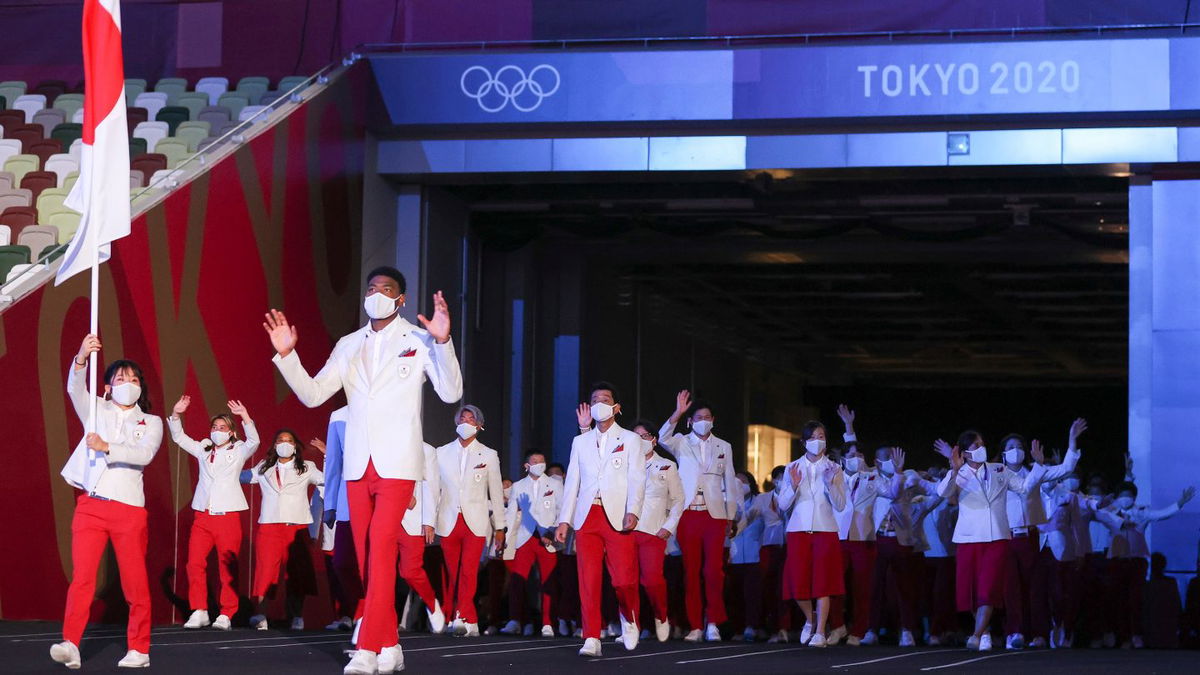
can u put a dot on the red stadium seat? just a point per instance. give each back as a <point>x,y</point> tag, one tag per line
<point>135,116</point>
<point>11,119</point>
<point>28,134</point>
<point>51,89</point>
<point>45,148</point>
<point>18,218</point>
<point>149,163</point>
<point>36,181</point>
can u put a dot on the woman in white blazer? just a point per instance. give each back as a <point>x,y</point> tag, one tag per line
<point>284,477</point>
<point>661,510</point>
<point>106,466</point>
<point>814,487</point>
<point>217,506</point>
<point>982,532</point>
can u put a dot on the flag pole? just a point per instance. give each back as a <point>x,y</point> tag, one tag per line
<point>93,358</point>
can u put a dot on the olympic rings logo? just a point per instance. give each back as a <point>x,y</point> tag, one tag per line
<point>510,84</point>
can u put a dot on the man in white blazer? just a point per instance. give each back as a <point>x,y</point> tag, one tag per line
<point>382,367</point>
<point>710,496</point>
<point>470,504</point>
<point>530,517</point>
<point>603,496</point>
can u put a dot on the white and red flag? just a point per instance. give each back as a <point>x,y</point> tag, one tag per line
<point>102,192</point>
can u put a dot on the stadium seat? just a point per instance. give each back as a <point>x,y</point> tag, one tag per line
<point>49,118</point>
<point>235,102</point>
<point>11,256</point>
<point>70,181</point>
<point>166,179</point>
<point>15,197</point>
<point>19,165</point>
<point>191,135</point>
<point>76,150</point>
<point>77,116</point>
<point>69,103</point>
<point>133,87</point>
<point>50,202</point>
<point>152,101</point>
<point>11,119</point>
<point>204,144</point>
<point>269,98</point>
<point>148,163</point>
<point>135,116</point>
<point>194,101</point>
<point>30,104</point>
<point>61,165</point>
<point>5,235</point>
<point>153,132</point>
<point>215,115</point>
<point>172,87</point>
<point>51,89</point>
<point>137,179</point>
<point>67,223</point>
<point>36,181</point>
<point>174,149</point>
<point>214,87</point>
<point>11,90</point>
<point>18,218</point>
<point>3,103</point>
<point>291,82</point>
<point>28,135</point>
<point>66,133</point>
<point>226,128</point>
<point>173,115</point>
<point>138,146</point>
<point>253,87</point>
<point>44,149</point>
<point>38,238</point>
<point>6,179</point>
<point>253,112</point>
<point>8,148</point>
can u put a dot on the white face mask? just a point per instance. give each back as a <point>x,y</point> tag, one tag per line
<point>1124,502</point>
<point>466,430</point>
<point>978,455</point>
<point>745,490</point>
<point>218,437</point>
<point>1014,455</point>
<point>285,450</point>
<point>853,464</point>
<point>887,466</point>
<point>602,412</point>
<point>647,446</point>
<point>379,306</point>
<point>1072,484</point>
<point>536,470</point>
<point>702,427</point>
<point>126,393</point>
<point>814,446</point>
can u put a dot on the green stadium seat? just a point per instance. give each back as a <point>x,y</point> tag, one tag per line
<point>291,82</point>
<point>69,103</point>
<point>253,87</point>
<point>137,146</point>
<point>174,149</point>
<point>11,256</point>
<point>191,135</point>
<point>194,101</point>
<point>67,223</point>
<point>133,87</point>
<point>173,115</point>
<point>172,87</point>
<point>19,165</point>
<point>67,132</point>
<point>235,102</point>
<point>11,90</point>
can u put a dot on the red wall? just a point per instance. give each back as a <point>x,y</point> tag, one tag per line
<point>275,225</point>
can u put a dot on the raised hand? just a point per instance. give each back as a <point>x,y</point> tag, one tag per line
<point>320,446</point>
<point>942,448</point>
<point>181,405</point>
<point>847,416</point>
<point>683,401</point>
<point>1077,428</point>
<point>956,459</point>
<point>90,345</point>
<point>1037,452</point>
<point>238,409</point>
<point>439,325</point>
<point>1188,493</point>
<point>794,474</point>
<point>283,336</point>
<point>829,472</point>
<point>898,456</point>
<point>584,414</point>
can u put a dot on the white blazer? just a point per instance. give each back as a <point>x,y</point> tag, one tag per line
<point>133,439</point>
<point>856,522</point>
<point>714,477</point>
<point>813,501</point>
<point>983,499</point>
<point>474,491</point>
<point>662,504</point>
<point>615,473</point>
<point>285,492</point>
<point>219,489</point>
<point>1128,528</point>
<point>896,502</point>
<point>1065,532</point>
<point>384,416</point>
<point>1027,510</point>
<point>532,511</point>
<point>426,491</point>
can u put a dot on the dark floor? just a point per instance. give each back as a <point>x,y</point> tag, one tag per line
<point>24,648</point>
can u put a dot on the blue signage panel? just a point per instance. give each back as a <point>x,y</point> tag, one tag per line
<point>910,80</point>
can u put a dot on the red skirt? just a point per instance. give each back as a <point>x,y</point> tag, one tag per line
<point>814,566</point>
<point>980,574</point>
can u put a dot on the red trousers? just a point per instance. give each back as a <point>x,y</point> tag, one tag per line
<point>412,568</point>
<point>271,549</point>
<point>224,533</point>
<point>462,549</point>
<point>377,507</point>
<point>702,541</point>
<point>777,612</point>
<point>939,577</point>
<point>345,566</point>
<point>1054,597</point>
<point>858,565</point>
<point>598,544</point>
<point>651,552</point>
<point>979,578</point>
<point>532,552</point>
<point>894,572</point>
<point>95,523</point>
<point>814,566</point>
<point>1018,584</point>
<point>1127,578</point>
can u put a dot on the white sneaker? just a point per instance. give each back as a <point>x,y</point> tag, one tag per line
<point>390,659</point>
<point>564,629</point>
<point>511,628</point>
<point>134,659</point>
<point>985,642</point>
<point>817,640</point>
<point>853,641</point>
<point>712,634</point>
<point>836,635</point>
<point>222,623</point>
<point>777,638</point>
<point>1037,643</point>
<point>906,639</point>
<point>527,631</point>
<point>662,630</point>
<point>298,623</point>
<point>472,630</point>
<point>365,662</point>
<point>748,635</point>
<point>258,622</point>
<point>458,628</point>
<point>973,643</point>
<point>694,636</point>
<point>548,631</point>
<point>66,653</point>
<point>437,618</point>
<point>629,635</point>
<point>198,619</point>
<point>344,623</point>
<point>870,638</point>
<point>490,630</point>
<point>1015,641</point>
<point>591,647</point>
<point>806,633</point>
<point>1138,643</point>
